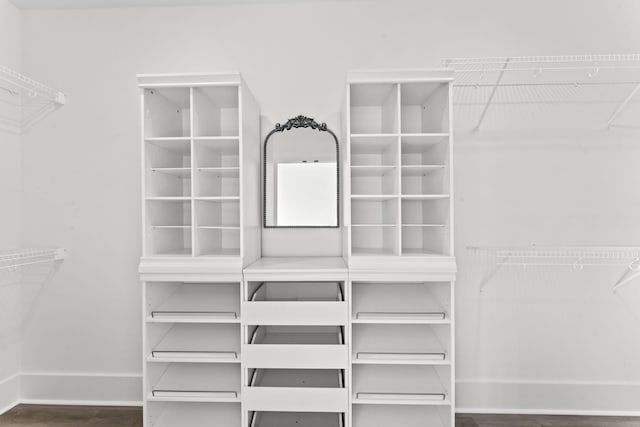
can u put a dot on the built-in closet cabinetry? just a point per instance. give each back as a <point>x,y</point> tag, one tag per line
<point>233,339</point>
<point>201,226</point>
<point>400,248</point>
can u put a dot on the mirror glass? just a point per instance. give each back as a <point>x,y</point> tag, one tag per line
<point>301,175</point>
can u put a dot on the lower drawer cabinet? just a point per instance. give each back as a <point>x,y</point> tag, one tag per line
<point>301,390</point>
<point>296,419</point>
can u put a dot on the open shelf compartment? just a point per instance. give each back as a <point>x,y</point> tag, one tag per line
<point>374,212</point>
<point>410,303</point>
<point>168,154</point>
<point>168,227</point>
<point>373,153</point>
<point>374,108</point>
<point>401,384</point>
<point>218,241</point>
<point>168,182</point>
<point>401,344</point>
<point>405,416</point>
<point>215,111</point>
<point>221,152</point>
<point>167,112</point>
<point>194,343</point>
<point>424,107</point>
<point>177,302</point>
<point>432,179</point>
<point>424,150</point>
<point>193,382</point>
<point>218,214</point>
<point>193,414</point>
<point>217,182</point>
<point>374,240</point>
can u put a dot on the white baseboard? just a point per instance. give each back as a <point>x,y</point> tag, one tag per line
<point>472,396</point>
<point>9,392</point>
<point>548,397</point>
<point>81,389</point>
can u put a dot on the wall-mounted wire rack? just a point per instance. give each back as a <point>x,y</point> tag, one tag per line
<point>25,101</point>
<point>12,259</point>
<point>576,257</point>
<point>595,91</point>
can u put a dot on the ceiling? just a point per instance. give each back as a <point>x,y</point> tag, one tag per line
<point>81,4</point>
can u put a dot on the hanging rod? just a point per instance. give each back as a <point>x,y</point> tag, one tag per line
<point>12,259</point>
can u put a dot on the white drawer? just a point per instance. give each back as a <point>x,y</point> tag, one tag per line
<point>295,313</point>
<point>296,399</point>
<point>295,356</point>
<point>295,419</point>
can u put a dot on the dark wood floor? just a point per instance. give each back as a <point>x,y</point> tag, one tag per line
<point>105,416</point>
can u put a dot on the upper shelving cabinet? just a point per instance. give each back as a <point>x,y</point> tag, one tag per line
<point>201,147</point>
<point>399,166</point>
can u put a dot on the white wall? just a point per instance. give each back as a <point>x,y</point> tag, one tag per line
<point>10,56</point>
<point>80,171</point>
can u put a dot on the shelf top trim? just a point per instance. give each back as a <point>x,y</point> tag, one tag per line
<point>434,75</point>
<point>189,79</point>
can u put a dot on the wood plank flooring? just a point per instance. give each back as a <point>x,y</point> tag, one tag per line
<point>105,416</point>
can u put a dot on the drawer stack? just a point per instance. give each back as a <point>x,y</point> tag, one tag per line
<point>295,352</point>
<point>192,351</point>
<point>401,354</point>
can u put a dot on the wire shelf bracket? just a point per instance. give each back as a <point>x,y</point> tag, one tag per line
<point>25,101</point>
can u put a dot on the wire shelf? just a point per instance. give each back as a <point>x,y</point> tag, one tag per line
<point>600,91</point>
<point>575,256</point>
<point>12,259</point>
<point>25,101</point>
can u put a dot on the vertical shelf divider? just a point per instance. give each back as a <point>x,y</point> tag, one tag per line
<point>398,226</point>
<point>194,178</point>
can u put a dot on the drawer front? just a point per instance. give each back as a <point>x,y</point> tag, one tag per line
<point>295,399</point>
<point>295,313</point>
<point>289,356</point>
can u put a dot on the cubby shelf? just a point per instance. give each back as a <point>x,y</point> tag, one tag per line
<point>195,131</point>
<point>399,149</point>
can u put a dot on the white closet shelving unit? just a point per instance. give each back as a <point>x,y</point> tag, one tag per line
<point>399,166</point>
<point>24,101</point>
<point>400,248</point>
<point>201,157</point>
<point>232,339</point>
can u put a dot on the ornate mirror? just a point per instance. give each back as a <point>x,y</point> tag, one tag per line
<point>301,175</point>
